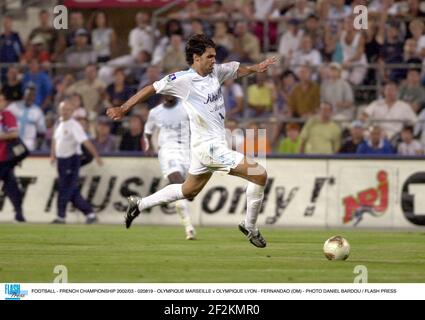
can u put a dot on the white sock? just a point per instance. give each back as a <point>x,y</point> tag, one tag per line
<point>182,208</point>
<point>254,198</point>
<point>170,193</point>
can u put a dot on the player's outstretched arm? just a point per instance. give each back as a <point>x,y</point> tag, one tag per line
<point>260,67</point>
<point>118,113</point>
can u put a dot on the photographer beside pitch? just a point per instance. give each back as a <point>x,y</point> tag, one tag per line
<point>199,88</point>
<point>67,139</point>
<point>9,132</point>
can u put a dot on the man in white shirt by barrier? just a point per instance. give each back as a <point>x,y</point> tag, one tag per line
<point>200,90</point>
<point>391,109</point>
<point>67,139</point>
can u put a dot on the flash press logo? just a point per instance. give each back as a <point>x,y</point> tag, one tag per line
<point>13,291</point>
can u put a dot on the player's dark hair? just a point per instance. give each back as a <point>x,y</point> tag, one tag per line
<point>197,44</point>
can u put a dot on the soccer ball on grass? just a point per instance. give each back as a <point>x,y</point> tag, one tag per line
<point>336,248</point>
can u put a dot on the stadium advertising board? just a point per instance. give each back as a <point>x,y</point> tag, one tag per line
<point>300,192</point>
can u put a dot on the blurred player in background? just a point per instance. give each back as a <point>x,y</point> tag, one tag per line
<point>199,87</point>
<point>172,121</point>
<point>67,139</point>
<point>9,131</point>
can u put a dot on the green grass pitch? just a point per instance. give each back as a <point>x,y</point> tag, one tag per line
<point>29,253</point>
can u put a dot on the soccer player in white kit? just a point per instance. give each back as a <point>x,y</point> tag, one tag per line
<point>199,88</point>
<point>172,121</point>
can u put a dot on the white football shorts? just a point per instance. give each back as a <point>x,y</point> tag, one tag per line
<point>174,160</point>
<point>213,156</point>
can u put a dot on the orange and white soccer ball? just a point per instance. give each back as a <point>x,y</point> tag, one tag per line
<point>336,248</point>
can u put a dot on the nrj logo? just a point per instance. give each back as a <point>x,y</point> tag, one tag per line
<point>372,200</point>
<point>13,292</point>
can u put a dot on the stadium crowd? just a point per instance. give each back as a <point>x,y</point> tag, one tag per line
<point>311,103</point>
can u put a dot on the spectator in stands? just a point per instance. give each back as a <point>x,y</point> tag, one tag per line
<point>305,98</point>
<point>391,43</point>
<point>76,22</point>
<point>31,122</point>
<point>224,40</point>
<point>172,27</point>
<point>196,27</point>
<point>392,109</point>
<point>91,89</point>
<point>338,93</point>
<point>45,31</point>
<point>260,97</point>
<point>233,99</point>
<point>247,46</point>
<point>42,83</point>
<point>104,142</point>
<point>136,72</point>
<point>77,104</point>
<point>314,29</point>
<point>409,146</point>
<point>12,88</point>
<point>290,40</point>
<point>301,11</point>
<point>376,143</point>
<point>36,49</point>
<point>103,37</point>
<point>81,53</point>
<point>256,142</point>
<point>353,53</point>
<point>153,73</point>
<point>118,92</point>
<point>9,131</point>
<point>321,135</point>
<point>217,10</point>
<point>132,139</point>
<point>417,28</point>
<point>410,52</point>
<point>266,10</point>
<point>413,10</point>
<point>286,85</point>
<point>174,57</point>
<point>291,144</point>
<point>351,143</point>
<point>412,92</point>
<point>61,88</point>
<point>338,12</point>
<point>372,47</point>
<point>66,38</point>
<point>140,38</point>
<point>306,54</point>
<point>234,135</point>
<point>11,47</point>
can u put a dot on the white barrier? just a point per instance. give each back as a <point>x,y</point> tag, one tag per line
<point>300,192</point>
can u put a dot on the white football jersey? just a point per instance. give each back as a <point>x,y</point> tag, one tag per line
<point>202,98</point>
<point>173,125</point>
